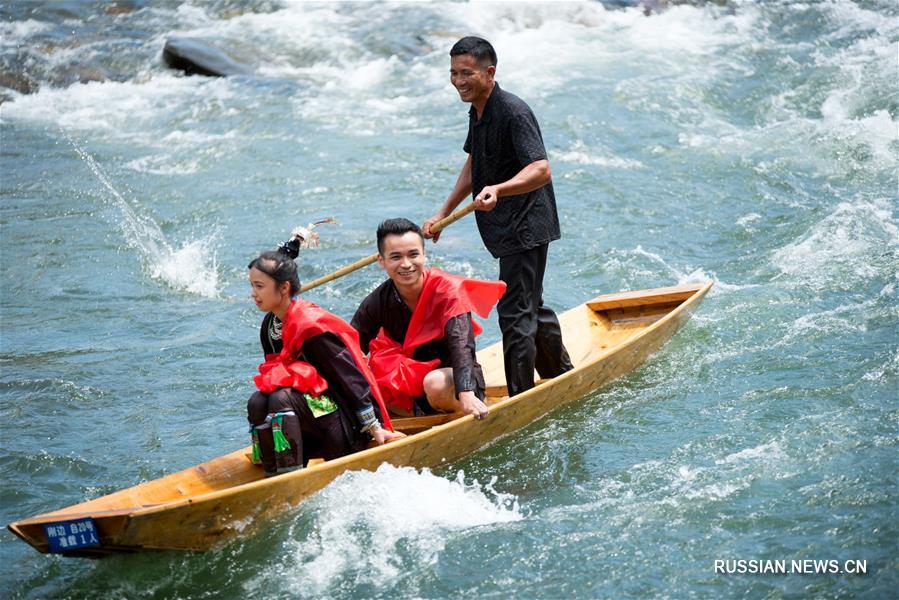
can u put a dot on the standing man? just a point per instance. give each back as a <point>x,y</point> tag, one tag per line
<point>508,171</point>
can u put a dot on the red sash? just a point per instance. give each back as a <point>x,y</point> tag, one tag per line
<point>443,296</point>
<point>305,320</point>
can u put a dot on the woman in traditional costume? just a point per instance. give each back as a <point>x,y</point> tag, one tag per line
<point>316,395</point>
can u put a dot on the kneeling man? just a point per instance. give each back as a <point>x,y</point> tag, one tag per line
<point>418,330</point>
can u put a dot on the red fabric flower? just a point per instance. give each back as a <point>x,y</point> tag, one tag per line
<point>305,320</point>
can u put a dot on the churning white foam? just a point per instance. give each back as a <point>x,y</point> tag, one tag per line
<point>369,523</point>
<point>747,219</point>
<point>684,277</point>
<point>129,109</point>
<point>542,46</point>
<point>836,322</point>
<point>889,370</point>
<point>696,476</point>
<point>13,33</point>
<point>364,89</point>
<point>851,245</point>
<point>582,155</point>
<point>189,152</point>
<point>769,452</point>
<point>164,164</point>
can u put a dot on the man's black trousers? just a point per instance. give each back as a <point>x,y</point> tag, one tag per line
<point>531,333</point>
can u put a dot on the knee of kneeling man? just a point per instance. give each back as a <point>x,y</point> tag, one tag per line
<point>433,382</point>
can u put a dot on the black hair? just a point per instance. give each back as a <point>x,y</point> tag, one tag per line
<point>479,48</point>
<point>279,264</point>
<point>396,227</point>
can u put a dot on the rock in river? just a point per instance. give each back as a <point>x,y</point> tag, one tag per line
<point>196,57</point>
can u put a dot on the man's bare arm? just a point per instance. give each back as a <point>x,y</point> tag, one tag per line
<point>461,190</point>
<point>532,177</point>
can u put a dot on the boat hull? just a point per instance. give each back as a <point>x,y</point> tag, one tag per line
<point>204,506</point>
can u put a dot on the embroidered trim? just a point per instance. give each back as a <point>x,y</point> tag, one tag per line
<point>320,405</point>
<point>366,417</point>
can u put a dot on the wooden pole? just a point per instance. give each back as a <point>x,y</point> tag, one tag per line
<point>364,262</point>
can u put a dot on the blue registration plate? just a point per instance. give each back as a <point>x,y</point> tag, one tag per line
<point>65,536</point>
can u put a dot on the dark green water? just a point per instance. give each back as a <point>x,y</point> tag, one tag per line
<point>754,144</point>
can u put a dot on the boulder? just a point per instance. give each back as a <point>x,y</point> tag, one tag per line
<point>196,57</point>
<point>71,74</point>
<point>18,82</point>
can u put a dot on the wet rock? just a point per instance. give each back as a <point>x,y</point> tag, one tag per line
<point>196,57</point>
<point>119,8</point>
<point>18,83</point>
<point>73,74</point>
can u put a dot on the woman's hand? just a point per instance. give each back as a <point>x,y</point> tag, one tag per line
<point>384,436</point>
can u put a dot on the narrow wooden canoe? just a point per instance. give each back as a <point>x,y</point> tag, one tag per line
<point>206,505</point>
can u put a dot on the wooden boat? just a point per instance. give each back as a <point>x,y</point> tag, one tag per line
<point>208,504</point>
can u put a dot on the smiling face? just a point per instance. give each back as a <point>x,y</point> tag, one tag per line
<point>473,81</point>
<point>267,293</point>
<point>403,258</point>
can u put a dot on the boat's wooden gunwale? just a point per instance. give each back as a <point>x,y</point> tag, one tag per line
<point>286,486</point>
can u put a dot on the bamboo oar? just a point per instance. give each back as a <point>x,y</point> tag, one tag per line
<point>364,262</point>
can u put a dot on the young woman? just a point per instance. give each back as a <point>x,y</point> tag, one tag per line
<point>316,394</point>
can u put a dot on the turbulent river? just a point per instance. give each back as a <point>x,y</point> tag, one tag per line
<point>750,143</point>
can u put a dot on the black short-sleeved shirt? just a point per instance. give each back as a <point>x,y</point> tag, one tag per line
<point>502,143</point>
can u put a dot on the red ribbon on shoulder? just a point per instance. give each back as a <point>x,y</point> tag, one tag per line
<point>443,296</point>
<point>302,321</point>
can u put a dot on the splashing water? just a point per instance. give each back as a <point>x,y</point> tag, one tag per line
<point>372,525</point>
<point>192,268</point>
